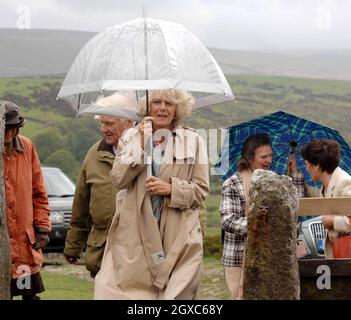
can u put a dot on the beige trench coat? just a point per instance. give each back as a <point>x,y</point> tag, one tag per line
<point>141,259</point>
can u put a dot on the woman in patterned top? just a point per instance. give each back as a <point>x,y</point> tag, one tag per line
<point>256,154</point>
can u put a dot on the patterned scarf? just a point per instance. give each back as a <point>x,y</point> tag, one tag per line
<point>157,201</point>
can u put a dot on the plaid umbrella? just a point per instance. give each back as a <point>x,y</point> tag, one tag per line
<point>288,134</point>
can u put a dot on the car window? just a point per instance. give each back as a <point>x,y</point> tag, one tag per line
<point>58,184</point>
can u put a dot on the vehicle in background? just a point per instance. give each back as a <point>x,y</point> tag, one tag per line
<point>311,235</point>
<point>60,192</point>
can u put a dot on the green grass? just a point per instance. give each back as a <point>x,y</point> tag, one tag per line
<point>60,286</point>
<point>213,285</point>
<point>212,242</point>
<point>64,287</point>
<point>212,204</point>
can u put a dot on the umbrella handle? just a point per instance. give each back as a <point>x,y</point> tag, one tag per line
<point>293,152</point>
<point>149,148</point>
<point>149,167</point>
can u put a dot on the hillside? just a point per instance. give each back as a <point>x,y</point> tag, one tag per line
<point>324,101</point>
<point>51,52</point>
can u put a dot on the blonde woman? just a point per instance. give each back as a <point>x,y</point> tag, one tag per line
<point>154,248</point>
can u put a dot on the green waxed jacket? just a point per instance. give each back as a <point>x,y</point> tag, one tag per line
<point>93,207</point>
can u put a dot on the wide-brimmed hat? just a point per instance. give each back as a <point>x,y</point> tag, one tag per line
<point>12,117</point>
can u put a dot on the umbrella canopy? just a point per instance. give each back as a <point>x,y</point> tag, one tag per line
<point>144,54</point>
<point>108,111</point>
<point>288,134</point>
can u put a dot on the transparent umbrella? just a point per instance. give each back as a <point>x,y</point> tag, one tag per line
<point>144,54</point>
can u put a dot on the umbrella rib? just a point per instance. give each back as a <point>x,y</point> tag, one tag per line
<point>289,124</point>
<point>312,131</point>
<point>164,41</point>
<point>110,58</point>
<point>269,130</point>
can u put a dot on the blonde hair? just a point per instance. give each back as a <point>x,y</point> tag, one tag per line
<point>182,99</point>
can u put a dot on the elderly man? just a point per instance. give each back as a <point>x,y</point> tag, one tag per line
<point>95,197</point>
<point>27,207</point>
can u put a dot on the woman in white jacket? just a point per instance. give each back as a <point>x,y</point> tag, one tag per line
<point>322,158</point>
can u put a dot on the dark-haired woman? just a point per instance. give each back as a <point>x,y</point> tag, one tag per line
<point>322,158</point>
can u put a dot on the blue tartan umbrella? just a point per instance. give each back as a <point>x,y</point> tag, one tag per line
<point>288,134</point>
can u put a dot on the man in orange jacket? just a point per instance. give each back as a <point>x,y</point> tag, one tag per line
<point>27,207</point>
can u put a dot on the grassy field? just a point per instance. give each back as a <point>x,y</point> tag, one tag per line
<point>65,287</point>
<point>72,282</point>
<point>213,219</point>
<point>213,285</point>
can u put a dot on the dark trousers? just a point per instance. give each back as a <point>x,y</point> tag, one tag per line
<point>36,286</point>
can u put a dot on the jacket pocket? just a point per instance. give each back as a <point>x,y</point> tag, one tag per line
<point>95,250</point>
<point>31,255</point>
<point>97,237</point>
<point>31,235</point>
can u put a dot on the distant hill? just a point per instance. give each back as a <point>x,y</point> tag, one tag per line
<point>38,52</point>
<point>51,52</point>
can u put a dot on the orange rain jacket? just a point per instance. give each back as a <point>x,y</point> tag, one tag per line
<point>27,205</point>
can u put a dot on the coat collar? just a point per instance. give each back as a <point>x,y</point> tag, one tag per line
<point>104,146</point>
<point>105,152</point>
<point>328,192</point>
<point>16,144</point>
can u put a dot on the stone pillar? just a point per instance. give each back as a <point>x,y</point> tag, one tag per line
<point>5,260</point>
<point>271,267</point>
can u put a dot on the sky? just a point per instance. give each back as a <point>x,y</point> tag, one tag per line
<point>229,24</point>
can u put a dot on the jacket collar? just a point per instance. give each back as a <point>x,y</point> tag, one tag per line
<point>16,144</point>
<point>104,146</point>
<point>328,192</point>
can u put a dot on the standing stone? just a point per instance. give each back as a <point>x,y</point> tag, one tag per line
<point>271,266</point>
<point>5,260</point>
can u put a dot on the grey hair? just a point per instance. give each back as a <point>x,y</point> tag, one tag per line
<point>182,99</point>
